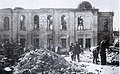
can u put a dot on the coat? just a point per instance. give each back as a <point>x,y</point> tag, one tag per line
<point>77,49</point>
<point>103,52</point>
<point>103,48</point>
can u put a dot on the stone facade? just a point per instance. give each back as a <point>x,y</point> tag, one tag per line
<point>105,26</point>
<point>50,27</point>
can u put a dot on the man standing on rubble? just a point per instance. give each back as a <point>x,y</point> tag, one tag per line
<point>72,51</point>
<point>103,46</point>
<point>77,51</point>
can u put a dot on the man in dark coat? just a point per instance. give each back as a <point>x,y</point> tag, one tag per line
<point>77,50</point>
<point>103,47</point>
<point>72,51</point>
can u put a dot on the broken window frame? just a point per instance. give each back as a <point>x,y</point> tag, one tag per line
<point>49,22</point>
<point>36,22</point>
<point>22,23</point>
<point>6,23</point>
<point>63,22</point>
<point>80,25</point>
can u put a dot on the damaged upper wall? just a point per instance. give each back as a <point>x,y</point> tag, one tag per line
<point>105,26</point>
<point>56,24</point>
<point>84,7</point>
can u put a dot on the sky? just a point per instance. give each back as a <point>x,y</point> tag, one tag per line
<point>102,5</point>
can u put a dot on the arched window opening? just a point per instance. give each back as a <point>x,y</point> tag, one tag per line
<point>49,22</point>
<point>63,22</point>
<point>80,23</point>
<point>6,23</point>
<point>36,22</point>
<point>22,23</point>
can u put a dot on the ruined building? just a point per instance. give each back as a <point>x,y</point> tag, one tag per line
<point>50,27</point>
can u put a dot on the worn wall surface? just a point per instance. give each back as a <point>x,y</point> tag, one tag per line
<point>93,23</point>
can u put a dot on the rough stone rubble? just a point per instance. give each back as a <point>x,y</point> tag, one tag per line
<point>44,61</point>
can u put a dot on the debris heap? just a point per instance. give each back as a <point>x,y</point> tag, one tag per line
<point>44,62</point>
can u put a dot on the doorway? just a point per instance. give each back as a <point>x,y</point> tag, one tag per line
<point>22,41</point>
<point>88,43</point>
<point>80,41</point>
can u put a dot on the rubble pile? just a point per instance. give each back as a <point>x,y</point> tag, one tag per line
<point>44,62</point>
<point>85,56</point>
<point>113,57</point>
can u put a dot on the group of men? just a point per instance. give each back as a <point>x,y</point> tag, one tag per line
<point>101,49</point>
<point>75,50</point>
